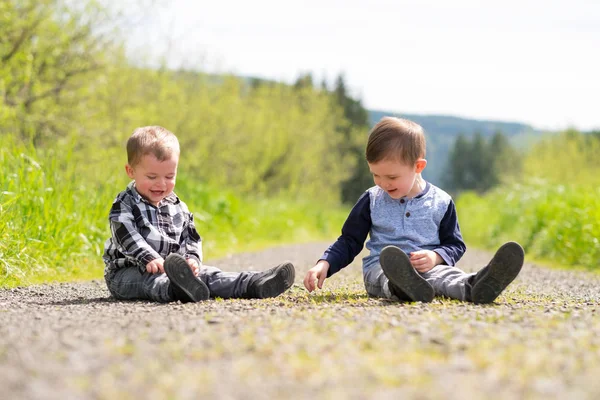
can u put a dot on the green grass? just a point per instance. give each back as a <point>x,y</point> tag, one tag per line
<point>53,217</point>
<point>556,223</point>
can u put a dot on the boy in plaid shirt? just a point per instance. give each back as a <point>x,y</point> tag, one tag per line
<point>155,252</point>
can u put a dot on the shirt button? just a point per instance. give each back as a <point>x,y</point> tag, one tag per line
<point>408,214</point>
<point>402,201</point>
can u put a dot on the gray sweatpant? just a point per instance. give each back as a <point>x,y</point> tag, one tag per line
<point>132,284</point>
<point>446,281</point>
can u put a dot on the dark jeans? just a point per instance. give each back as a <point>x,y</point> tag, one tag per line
<point>132,284</point>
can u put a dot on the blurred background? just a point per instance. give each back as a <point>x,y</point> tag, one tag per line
<point>273,102</point>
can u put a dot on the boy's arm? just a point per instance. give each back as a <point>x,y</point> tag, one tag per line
<point>351,241</point>
<point>452,247</point>
<point>190,238</point>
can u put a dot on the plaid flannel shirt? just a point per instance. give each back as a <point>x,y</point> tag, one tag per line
<point>142,232</point>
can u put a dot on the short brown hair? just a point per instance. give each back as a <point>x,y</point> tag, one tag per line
<point>396,138</point>
<point>156,140</point>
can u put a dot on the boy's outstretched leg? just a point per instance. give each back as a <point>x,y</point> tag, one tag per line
<point>403,277</point>
<point>492,279</point>
<point>185,285</point>
<point>272,282</point>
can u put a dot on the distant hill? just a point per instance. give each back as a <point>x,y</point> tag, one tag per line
<point>442,131</point>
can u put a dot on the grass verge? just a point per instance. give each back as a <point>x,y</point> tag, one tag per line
<point>555,223</point>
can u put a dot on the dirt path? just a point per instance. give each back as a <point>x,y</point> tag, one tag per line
<point>541,339</point>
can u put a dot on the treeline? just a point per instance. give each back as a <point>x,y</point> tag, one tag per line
<point>65,81</point>
<point>479,164</point>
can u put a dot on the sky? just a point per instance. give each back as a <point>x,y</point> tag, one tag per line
<point>530,61</point>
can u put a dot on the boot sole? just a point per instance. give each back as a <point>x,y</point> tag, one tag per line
<point>278,281</point>
<point>398,269</point>
<point>180,275</point>
<point>503,269</point>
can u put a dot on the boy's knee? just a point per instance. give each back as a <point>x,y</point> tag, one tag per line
<point>376,290</point>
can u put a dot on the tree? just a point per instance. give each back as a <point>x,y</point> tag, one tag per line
<point>354,127</point>
<point>48,52</point>
<point>460,175</point>
<point>480,165</point>
<point>304,81</point>
<point>507,162</point>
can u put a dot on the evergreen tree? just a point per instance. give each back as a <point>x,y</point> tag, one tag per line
<point>354,128</point>
<point>480,165</point>
<point>459,175</point>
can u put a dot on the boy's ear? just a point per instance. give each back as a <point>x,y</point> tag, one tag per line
<point>420,165</point>
<point>129,171</point>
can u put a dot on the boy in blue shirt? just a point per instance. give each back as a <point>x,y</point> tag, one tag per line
<point>154,252</point>
<point>415,239</point>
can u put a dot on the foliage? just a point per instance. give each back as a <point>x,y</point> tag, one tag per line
<point>553,211</point>
<point>50,225</point>
<point>50,59</point>
<point>264,139</point>
<point>568,158</point>
<point>557,223</point>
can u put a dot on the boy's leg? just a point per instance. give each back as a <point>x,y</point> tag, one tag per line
<point>131,284</point>
<point>272,282</point>
<point>225,284</point>
<point>481,287</point>
<point>403,277</point>
<point>377,285</point>
<point>445,280</point>
<point>491,280</point>
<point>449,281</point>
<point>248,284</point>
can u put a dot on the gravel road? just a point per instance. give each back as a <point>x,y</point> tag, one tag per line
<point>541,339</point>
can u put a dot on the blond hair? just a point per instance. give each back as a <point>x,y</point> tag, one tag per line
<point>396,139</point>
<point>155,140</point>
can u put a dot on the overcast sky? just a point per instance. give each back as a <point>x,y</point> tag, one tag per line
<point>530,61</point>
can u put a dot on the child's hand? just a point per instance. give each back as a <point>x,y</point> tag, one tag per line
<point>319,272</point>
<point>424,260</point>
<point>194,266</point>
<point>156,266</point>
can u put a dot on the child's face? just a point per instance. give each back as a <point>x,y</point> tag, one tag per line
<point>397,178</point>
<point>154,179</point>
